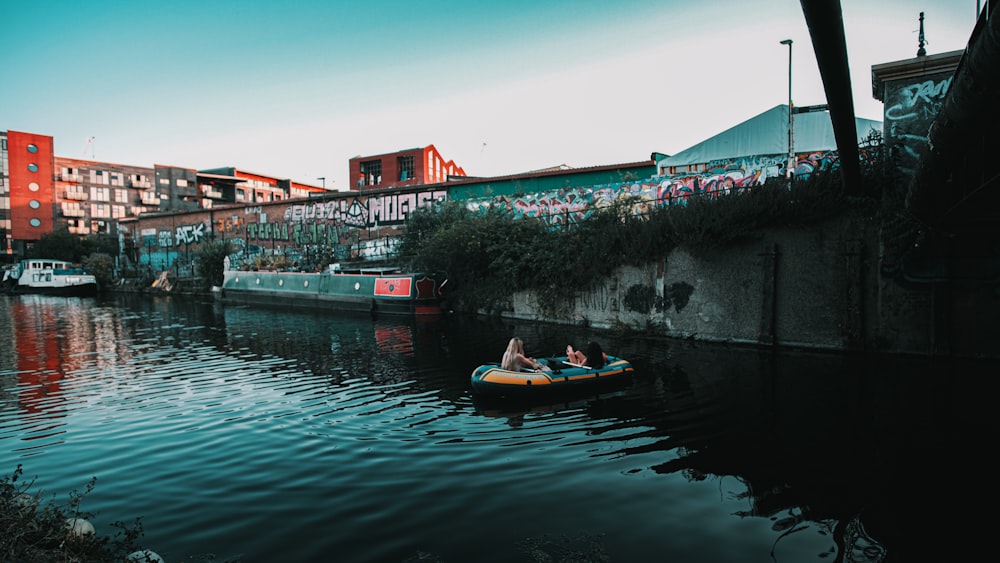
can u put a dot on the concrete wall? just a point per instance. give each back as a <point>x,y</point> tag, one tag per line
<point>819,287</point>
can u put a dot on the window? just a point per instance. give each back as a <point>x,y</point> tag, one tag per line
<point>371,173</point>
<point>33,167</point>
<point>32,149</point>
<point>405,166</point>
<point>35,222</point>
<point>100,210</point>
<point>74,191</point>
<point>98,177</point>
<point>34,204</point>
<point>33,186</point>
<point>100,194</point>
<point>121,196</point>
<point>181,182</point>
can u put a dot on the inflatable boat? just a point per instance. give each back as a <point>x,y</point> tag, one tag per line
<point>491,379</point>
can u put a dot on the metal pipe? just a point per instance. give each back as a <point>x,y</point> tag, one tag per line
<point>791,120</point>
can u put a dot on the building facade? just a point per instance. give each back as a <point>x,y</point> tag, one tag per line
<point>90,197</point>
<point>406,168</point>
<point>27,191</point>
<point>41,193</point>
<point>252,187</point>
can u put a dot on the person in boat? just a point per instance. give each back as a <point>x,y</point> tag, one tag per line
<point>514,358</point>
<point>593,358</point>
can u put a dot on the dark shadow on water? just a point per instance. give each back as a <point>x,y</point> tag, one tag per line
<point>889,456</point>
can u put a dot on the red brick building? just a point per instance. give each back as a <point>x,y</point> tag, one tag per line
<point>411,167</point>
<point>29,211</point>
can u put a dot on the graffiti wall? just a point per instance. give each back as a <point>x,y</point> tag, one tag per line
<point>910,107</point>
<point>296,234</point>
<point>307,234</point>
<point>571,205</point>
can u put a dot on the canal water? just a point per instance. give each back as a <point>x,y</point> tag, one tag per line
<point>255,434</point>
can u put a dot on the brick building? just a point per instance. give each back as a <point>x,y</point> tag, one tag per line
<point>41,193</point>
<point>27,190</point>
<point>410,167</point>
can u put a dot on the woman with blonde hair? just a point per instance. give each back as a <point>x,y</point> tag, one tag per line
<point>514,358</point>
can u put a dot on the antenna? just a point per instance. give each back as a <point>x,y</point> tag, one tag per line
<point>920,39</point>
<point>89,145</point>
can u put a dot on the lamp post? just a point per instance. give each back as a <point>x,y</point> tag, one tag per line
<point>791,124</point>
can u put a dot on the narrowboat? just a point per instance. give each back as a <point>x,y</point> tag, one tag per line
<point>384,290</point>
<point>49,277</point>
<point>491,379</point>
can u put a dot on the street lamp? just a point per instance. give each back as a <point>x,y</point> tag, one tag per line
<point>791,123</point>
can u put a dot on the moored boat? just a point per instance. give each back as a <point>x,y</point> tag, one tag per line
<point>50,277</point>
<point>491,379</point>
<point>386,290</point>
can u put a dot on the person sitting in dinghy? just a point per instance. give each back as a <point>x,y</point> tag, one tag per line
<point>514,358</point>
<point>595,357</point>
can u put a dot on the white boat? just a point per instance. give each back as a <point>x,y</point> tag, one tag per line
<point>51,277</point>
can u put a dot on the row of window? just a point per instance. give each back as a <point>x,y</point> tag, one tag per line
<point>371,171</point>
<point>74,209</point>
<point>33,186</point>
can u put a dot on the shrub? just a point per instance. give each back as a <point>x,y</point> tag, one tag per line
<point>211,261</point>
<point>102,267</point>
<point>32,531</point>
<point>489,256</point>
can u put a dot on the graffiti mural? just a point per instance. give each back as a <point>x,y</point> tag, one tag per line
<point>189,234</point>
<point>910,109</point>
<point>298,233</point>
<point>568,206</point>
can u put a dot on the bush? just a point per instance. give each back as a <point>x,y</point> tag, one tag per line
<point>102,267</point>
<point>489,256</point>
<point>31,531</point>
<point>211,261</point>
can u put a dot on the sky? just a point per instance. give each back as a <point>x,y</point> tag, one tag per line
<point>295,89</point>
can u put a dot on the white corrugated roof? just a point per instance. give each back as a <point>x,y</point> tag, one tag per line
<point>767,134</point>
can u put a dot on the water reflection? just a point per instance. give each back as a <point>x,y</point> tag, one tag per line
<point>710,453</point>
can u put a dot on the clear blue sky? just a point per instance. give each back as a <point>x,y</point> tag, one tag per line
<point>296,89</point>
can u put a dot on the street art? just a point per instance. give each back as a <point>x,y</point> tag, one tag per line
<point>392,209</point>
<point>569,206</point>
<point>910,110</point>
<point>918,101</point>
<point>189,234</point>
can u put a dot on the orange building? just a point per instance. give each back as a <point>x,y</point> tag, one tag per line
<point>29,211</point>
<point>411,167</point>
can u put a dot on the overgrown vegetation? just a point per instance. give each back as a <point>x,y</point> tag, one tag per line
<point>211,261</point>
<point>33,530</point>
<point>102,266</point>
<point>489,256</point>
<point>63,245</point>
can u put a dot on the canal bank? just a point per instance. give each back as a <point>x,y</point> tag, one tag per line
<point>832,285</point>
